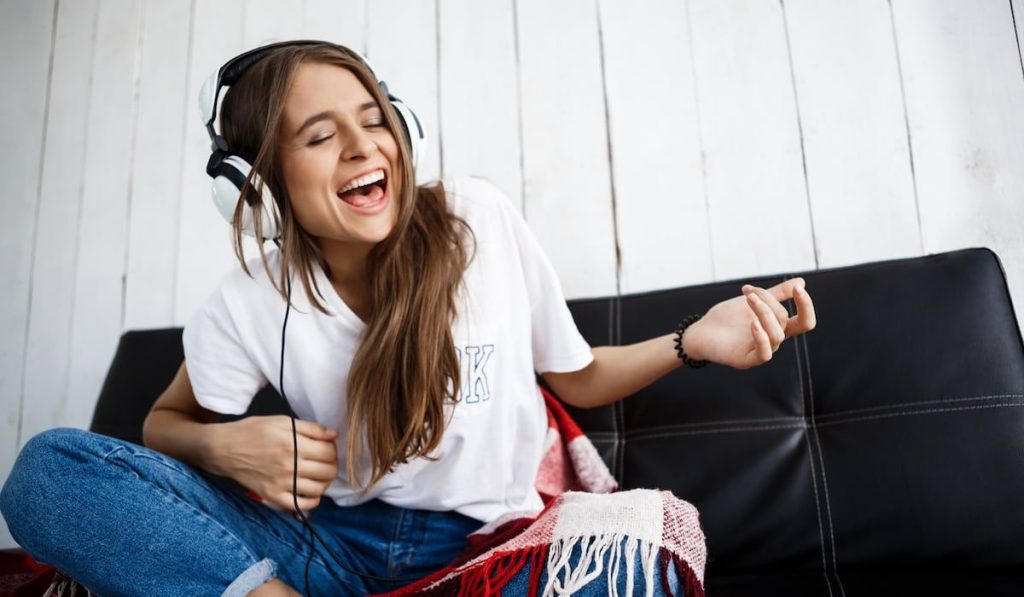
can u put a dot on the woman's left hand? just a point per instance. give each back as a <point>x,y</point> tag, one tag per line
<point>745,331</point>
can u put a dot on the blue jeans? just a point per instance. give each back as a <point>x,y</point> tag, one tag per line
<point>123,519</point>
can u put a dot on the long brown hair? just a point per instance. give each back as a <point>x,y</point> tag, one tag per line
<point>400,375</point>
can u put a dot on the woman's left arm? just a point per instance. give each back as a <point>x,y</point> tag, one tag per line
<point>741,332</point>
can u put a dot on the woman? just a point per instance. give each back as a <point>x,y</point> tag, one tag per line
<point>425,309</point>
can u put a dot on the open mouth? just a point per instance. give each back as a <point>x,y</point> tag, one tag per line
<point>366,191</point>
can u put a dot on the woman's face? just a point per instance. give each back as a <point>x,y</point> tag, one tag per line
<point>332,138</point>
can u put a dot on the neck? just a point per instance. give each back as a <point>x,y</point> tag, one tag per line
<point>347,262</point>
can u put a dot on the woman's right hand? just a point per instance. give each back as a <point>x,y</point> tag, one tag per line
<point>258,453</point>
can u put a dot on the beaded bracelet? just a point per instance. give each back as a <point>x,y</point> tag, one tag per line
<point>695,364</point>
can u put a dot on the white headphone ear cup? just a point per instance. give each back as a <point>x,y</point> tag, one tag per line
<point>417,136</point>
<point>226,195</point>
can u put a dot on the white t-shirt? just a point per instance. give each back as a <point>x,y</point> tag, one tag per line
<point>517,322</point>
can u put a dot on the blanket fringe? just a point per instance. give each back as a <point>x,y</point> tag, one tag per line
<point>65,586</point>
<point>489,577</point>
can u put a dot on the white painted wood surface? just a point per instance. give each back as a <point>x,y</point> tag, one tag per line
<point>649,145</point>
<point>660,202</point>
<point>58,220</point>
<point>479,92</point>
<point>98,296</point>
<point>757,194</point>
<point>849,97</point>
<point>566,173</point>
<point>156,165</point>
<point>339,21</point>
<point>268,21</point>
<point>204,238</point>
<point>26,50</point>
<point>966,126</point>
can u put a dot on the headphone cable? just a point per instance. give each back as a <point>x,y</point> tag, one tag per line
<point>295,473</point>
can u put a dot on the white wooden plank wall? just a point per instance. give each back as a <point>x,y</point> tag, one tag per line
<point>650,144</point>
<point>27,37</point>
<point>42,366</point>
<point>664,238</point>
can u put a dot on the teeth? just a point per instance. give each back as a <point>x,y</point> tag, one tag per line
<point>363,180</point>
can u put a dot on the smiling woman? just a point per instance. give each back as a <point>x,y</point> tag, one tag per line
<point>411,365</point>
<point>325,125</point>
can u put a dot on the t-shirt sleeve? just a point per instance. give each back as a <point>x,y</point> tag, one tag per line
<point>558,345</point>
<point>224,377</point>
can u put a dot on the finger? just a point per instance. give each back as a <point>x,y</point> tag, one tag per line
<point>319,471</point>
<point>769,322</point>
<point>804,320</point>
<point>780,312</point>
<point>784,290</point>
<point>307,488</point>
<point>317,450</point>
<point>288,500</point>
<point>314,430</point>
<point>762,351</point>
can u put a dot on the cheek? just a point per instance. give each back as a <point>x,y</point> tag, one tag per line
<point>304,183</point>
<point>306,176</point>
<point>301,171</point>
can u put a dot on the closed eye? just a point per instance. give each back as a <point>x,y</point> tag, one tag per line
<point>320,140</point>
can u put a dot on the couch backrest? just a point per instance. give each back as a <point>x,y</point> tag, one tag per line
<point>889,436</point>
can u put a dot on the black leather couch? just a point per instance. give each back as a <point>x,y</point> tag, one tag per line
<point>881,453</point>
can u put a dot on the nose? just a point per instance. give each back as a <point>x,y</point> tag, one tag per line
<point>358,145</point>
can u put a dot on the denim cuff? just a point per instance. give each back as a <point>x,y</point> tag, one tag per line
<point>253,577</point>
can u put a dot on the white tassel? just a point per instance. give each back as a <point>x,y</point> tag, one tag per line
<point>599,551</point>
<point>631,556</point>
<point>613,566</point>
<point>566,577</point>
<point>50,590</point>
<point>575,576</point>
<point>589,565</point>
<point>647,554</point>
<point>558,558</point>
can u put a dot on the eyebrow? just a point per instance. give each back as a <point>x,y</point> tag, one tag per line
<point>327,114</point>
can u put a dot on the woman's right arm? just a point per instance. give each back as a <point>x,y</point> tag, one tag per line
<point>256,451</point>
<point>180,427</point>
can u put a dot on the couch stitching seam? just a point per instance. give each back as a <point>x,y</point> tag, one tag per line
<point>670,433</point>
<point>727,422</point>
<point>810,455</point>
<point>673,431</point>
<point>821,460</point>
<point>921,412</point>
<point>842,413</point>
<point>723,426</point>
<point>814,477</point>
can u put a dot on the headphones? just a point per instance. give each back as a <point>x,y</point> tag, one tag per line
<point>230,171</point>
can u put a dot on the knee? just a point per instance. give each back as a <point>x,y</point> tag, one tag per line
<point>46,459</point>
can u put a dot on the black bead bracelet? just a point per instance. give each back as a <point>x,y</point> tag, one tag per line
<point>695,364</point>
